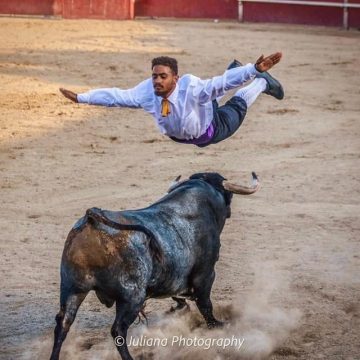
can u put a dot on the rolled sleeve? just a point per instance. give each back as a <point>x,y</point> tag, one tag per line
<point>208,90</point>
<point>133,98</point>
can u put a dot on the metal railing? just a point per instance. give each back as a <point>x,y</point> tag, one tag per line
<point>345,5</point>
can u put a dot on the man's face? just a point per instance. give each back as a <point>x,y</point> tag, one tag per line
<point>164,81</point>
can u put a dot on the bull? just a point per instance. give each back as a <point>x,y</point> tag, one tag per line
<point>168,249</point>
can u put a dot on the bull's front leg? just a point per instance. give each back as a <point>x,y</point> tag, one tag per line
<point>202,289</point>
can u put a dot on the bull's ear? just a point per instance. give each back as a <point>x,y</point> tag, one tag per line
<point>174,183</point>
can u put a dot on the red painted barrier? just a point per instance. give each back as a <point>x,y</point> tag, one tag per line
<point>222,9</point>
<point>252,12</point>
<point>354,15</point>
<point>73,9</point>
<point>98,9</point>
<point>293,14</point>
<point>28,7</point>
<point>300,14</point>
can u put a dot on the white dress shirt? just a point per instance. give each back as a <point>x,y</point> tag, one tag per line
<point>190,102</point>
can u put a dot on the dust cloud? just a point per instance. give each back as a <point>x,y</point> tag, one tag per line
<point>255,326</point>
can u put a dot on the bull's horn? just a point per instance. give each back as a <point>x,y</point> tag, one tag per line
<point>243,190</point>
<point>174,183</point>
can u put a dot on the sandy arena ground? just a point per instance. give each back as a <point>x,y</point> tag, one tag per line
<point>288,276</point>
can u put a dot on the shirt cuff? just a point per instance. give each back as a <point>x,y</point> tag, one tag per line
<point>247,71</point>
<point>251,68</point>
<point>83,98</point>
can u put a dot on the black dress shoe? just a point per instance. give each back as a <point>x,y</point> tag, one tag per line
<point>273,86</point>
<point>234,64</point>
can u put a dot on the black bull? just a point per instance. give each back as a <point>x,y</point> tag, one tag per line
<point>167,249</point>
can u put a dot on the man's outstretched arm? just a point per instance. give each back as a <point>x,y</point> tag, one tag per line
<point>132,98</point>
<point>233,78</point>
<point>102,97</point>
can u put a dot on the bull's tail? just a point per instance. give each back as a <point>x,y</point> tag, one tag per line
<point>96,215</point>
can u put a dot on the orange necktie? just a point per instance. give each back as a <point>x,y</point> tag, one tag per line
<point>165,107</point>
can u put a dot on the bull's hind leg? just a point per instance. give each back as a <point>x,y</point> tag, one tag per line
<point>202,289</point>
<point>126,313</point>
<point>64,319</point>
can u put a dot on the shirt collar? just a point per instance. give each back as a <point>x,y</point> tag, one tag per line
<point>174,95</point>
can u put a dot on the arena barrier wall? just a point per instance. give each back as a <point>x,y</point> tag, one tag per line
<point>345,13</point>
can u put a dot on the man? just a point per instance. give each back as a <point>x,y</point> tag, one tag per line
<point>185,108</point>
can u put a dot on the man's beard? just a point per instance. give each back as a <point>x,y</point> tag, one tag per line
<point>159,91</point>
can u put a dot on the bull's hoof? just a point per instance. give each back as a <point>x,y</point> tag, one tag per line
<point>180,306</point>
<point>215,324</point>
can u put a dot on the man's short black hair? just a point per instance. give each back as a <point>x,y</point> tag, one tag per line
<point>166,61</point>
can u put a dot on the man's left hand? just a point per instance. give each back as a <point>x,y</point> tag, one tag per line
<point>266,63</point>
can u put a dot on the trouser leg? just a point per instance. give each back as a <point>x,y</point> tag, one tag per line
<point>228,118</point>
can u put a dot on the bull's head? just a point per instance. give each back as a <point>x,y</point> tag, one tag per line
<point>226,187</point>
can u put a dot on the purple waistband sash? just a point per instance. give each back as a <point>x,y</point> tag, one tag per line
<point>203,139</point>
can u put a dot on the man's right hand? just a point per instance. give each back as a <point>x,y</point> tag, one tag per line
<point>69,94</point>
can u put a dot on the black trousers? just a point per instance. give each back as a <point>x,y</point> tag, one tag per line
<point>227,119</point>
